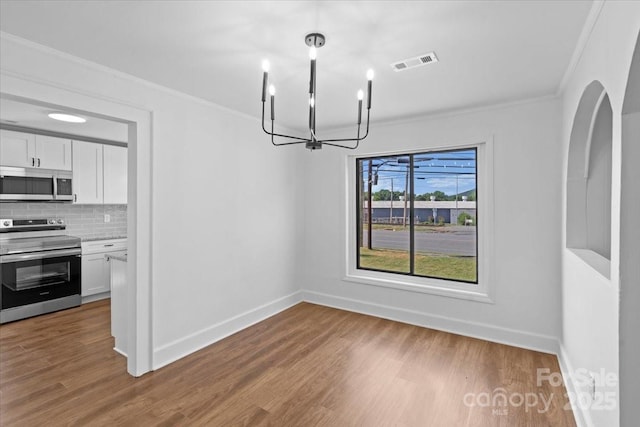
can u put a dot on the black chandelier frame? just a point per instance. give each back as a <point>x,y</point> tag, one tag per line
<point>315,40</point>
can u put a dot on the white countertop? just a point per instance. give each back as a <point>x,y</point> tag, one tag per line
<point>94,239</point>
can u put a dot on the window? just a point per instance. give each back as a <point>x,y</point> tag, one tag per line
<point>416,214</point>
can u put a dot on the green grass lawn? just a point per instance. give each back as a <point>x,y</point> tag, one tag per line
<point>432,265</point>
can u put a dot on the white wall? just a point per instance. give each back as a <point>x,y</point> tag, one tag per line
<point>223,253</point>
<point>589,300</point>
<point>526,258</point>
<point>629,267</point>
<point>222,213</point>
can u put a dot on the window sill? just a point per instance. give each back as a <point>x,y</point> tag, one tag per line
<point>444,288</point>
<point>593,259</point>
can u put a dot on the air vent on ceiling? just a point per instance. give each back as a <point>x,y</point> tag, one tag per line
<point>427,58</point>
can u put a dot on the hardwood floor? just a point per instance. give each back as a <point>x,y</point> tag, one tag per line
<point>307,366</point>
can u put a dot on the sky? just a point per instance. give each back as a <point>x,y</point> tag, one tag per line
<point>434,171</point>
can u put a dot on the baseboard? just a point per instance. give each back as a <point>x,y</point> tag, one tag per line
<point>117,350</point>
<point>96,297</point>
<point>580,414</point>
<point>198,340</point>
<point>513,337</point>
<point>177,349</point>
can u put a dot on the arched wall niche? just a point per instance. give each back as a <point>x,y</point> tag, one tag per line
<point>589,172</point>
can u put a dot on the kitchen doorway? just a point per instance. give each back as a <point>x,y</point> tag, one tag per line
<point>136,122</point>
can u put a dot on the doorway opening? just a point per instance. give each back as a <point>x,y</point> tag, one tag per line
<point>135,125</point>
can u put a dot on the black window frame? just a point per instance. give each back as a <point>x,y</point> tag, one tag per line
<point>411,195</point>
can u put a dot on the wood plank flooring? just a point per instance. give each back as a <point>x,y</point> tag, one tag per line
<point>307,366</point>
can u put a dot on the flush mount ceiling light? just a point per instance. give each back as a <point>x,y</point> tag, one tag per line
<point>64,117</point>
<point>314,41</point>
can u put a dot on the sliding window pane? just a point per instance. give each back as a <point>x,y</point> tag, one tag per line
<point>445,197</point>
<point>384,214</point>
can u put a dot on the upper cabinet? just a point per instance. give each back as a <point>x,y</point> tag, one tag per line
<point>87,173</point>
<point>34,151</point>
<point>53,153</point>
<point>99,173</point>
<point>17,149</point>
<point>115,174</point>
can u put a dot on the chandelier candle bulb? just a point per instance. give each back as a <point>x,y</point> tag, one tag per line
<point>265,78</point>
<point>312,77</point>
<point>360,96</point>
<point>370,79</point>
<point>272,92</point>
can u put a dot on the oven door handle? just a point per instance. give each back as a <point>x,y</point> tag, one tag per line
<point>39,255</point>
<point>55,184</point>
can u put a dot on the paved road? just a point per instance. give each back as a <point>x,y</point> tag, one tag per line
<point>459,241</point>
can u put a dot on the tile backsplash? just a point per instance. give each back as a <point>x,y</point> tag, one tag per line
<point>84,221</point>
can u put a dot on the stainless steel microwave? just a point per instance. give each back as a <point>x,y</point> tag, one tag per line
<point>30,184</point>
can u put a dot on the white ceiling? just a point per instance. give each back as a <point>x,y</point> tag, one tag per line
<point>34,115</point>
<point>490,51</point>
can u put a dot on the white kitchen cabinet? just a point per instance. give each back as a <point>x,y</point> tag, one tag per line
<point>95,276</point>
<point>87,173</point>
<point>17,149</point>
<point>34,151</point>
<point>53,153</point>
<point>115,174</point>
<point>99,173</point>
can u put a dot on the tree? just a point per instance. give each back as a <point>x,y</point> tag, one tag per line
<point>463,217</point>
<point>383,194</point>
<point>439,195</point>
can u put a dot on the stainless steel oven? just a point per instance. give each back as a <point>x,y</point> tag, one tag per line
<point>40,270</point>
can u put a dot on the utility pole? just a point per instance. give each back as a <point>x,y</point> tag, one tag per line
<point>369,208</point>
<point>391,208</point>
<point>361,204</point>
<point>456,220</point>
<point>406,186</point>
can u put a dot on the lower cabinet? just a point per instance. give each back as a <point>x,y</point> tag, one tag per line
<point>96,272</point>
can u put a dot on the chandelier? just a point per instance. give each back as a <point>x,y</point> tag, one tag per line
<point>314,41</point>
